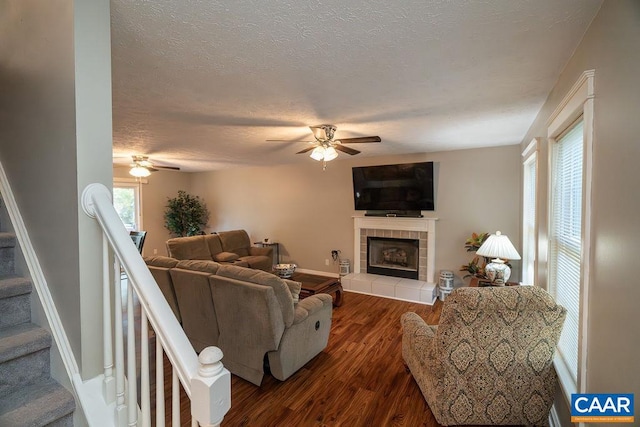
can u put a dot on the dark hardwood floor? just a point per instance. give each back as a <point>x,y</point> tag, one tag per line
<point>358,380</point>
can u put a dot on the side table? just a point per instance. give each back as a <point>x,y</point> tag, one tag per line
<point>479,283</point>
<point>313,284</point>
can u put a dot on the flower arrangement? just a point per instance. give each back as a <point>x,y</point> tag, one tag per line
<point>475,268</point>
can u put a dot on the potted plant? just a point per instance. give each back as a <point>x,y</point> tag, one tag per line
<point>186,215</point>
<point>475,268</point>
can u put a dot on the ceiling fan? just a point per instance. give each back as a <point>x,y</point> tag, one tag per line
<point>326,148</point>
<point>142,167</point>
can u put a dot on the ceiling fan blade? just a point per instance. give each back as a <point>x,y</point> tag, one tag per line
<point>150,169</point>
<point>306,150</point>
<point>173,168</point>
<point>360,140</point>
<point>286,140</point>
<point>346,149</point>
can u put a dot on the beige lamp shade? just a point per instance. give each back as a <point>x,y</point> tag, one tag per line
<point>498,246</point>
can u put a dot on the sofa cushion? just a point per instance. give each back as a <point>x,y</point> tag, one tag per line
<point>193,247</point>
<point>160,261</point>
<point>259,277</point>
<point>214,244</point>
<point>294,288</point>
<point>225,257</point>
<point>199,265</point>
<point>236,241</point>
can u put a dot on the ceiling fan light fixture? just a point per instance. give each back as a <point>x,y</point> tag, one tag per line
<point>330,153</point>
<point>139,171</point>
<point>318,153</point>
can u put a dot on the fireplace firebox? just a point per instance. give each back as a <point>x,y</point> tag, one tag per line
<point>393,257</point>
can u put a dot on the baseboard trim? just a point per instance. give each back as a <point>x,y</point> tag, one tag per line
<point>554,419</point>
<point>39,281</point>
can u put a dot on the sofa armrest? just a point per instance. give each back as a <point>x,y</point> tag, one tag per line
<point>415,325</point>
<point>258,250</point>
<point>420,336</point>
<point>310,305</point>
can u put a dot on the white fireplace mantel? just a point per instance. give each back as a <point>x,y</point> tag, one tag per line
<point>427,225</point>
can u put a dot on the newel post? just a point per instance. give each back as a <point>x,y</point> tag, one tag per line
<point>210,389</point>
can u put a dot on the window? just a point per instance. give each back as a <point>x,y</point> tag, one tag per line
<point>126,201</point>
<point>565,239</point>
<point>570,142</point>
<point>529,191</point>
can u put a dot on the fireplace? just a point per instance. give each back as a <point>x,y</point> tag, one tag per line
<point>421,229</point>
<point>391,256</point>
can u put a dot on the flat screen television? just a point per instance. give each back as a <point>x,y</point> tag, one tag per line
<point>397,188</point>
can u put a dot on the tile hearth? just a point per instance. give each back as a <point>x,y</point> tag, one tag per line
<point>390,287</point>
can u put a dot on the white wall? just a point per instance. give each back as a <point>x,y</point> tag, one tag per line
<point>310,211</point>
<point>56,138</point>
<point>611,48</point>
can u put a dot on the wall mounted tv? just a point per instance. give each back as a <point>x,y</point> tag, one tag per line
<point>394,189</point>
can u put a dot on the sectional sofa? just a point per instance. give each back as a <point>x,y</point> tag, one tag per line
<point>254,317</point>
<point>226,247</point>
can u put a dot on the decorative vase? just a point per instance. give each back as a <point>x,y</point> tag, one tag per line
<point>498,272</point>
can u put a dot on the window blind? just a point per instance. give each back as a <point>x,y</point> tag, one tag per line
<point>529,220</point>
<point>565,239</point>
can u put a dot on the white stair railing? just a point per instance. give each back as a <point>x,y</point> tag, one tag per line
<point>204,379</point>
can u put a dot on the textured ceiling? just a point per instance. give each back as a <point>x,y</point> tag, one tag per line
<point>203,84</point>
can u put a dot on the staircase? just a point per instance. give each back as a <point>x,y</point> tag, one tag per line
<point>28,394</point>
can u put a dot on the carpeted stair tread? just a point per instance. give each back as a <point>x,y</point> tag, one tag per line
<point>36,405</point>
<point>7,240</point>
<point>11,286</point>
<point>23,339</point>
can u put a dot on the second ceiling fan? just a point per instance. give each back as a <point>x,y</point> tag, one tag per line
<point>142,167</point>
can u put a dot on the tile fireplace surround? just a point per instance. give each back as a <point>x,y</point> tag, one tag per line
<point>422,290</point>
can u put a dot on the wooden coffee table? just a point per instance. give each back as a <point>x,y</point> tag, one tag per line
<point>313,284</point>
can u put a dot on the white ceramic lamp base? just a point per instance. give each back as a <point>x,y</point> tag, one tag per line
<point>497,272</point>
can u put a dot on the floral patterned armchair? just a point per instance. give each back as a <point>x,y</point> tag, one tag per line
<point>490,360</point>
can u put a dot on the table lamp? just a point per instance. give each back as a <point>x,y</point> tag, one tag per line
<point>499,247</point>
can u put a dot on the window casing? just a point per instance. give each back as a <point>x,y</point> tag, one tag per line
<point>570,134</point>
<point>529,209</point>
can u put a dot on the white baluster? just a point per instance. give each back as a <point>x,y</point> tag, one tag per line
<point>109,384</point>
<point>175,399</point>
<point>159,384</point>
<point>132,387</point>
<point>121,406</point>
<point>145,395</point>
<point>210,389</point>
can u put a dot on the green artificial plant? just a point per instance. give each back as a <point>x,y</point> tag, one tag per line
<point>185,215</point>
<point>476,266</point>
